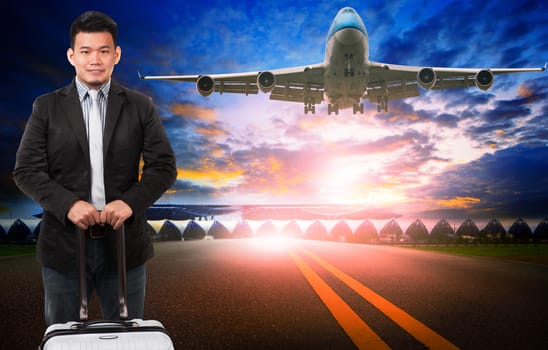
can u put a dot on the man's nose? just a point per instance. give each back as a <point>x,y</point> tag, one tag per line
<point>95,58</point>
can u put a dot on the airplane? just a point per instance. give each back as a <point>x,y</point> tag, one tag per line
<point>346,77</point>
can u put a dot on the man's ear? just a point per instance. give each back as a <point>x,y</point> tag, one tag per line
<point>70,55</point>
<point>118,54</point>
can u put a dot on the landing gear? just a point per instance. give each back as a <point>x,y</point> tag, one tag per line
<point>309,105</point>
<point>382,103</point>
<point>357,107</point>
<point>309,108</point>
<point>332,107</point>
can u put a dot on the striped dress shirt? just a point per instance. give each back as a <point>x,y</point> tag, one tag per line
<point>85,101</point>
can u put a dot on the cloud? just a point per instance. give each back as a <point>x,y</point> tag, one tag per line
<point>388,144</point>
<point>401,113</point>
<point>459,202</point>
<point>535,130</point>
<point>468,99</point>
<point>190,192</point>
<point>521,119</point>
<point>447,120</point>
<point>510,182</point>
<point>210,174</point>
<point>507,111</point>
<point>193,111</point>
<point>280,171</point>
<point>211,132</point>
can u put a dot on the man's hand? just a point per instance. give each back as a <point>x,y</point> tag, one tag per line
<point>83,214</point>
<point>115,213</point>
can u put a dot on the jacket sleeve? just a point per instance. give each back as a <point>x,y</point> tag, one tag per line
<point>159,169</point>
<point>31,172</point>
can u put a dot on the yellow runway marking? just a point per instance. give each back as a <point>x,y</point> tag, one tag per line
<point>411,325</point>
<point>358,331</point>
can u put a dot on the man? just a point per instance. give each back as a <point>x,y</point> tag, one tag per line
<point>80,158</point>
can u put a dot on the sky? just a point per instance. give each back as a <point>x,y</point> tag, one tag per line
<point>467,153</point>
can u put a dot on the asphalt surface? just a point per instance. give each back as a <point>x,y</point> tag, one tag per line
<point>297,294</point>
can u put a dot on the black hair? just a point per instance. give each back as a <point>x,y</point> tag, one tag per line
<point>93,22</point>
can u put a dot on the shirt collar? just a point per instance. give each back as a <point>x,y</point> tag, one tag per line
<point>83,89</point>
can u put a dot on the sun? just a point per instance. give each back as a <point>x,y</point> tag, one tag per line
<point>358,180</point>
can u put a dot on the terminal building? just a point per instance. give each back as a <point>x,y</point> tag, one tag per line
<point>341,224</point>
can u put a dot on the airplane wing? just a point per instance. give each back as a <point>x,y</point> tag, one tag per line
<point>305,84</point>
<point>297,84</point>
<point>399,81</point>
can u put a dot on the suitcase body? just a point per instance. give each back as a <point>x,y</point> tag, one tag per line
<point>135,334</point>
<point>132,334</point>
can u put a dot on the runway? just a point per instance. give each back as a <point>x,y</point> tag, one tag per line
<point>297,294</point>
<point>300,294</point>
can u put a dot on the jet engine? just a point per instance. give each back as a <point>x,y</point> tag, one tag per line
<point>427,78</point>
<point>484,79</point>
<point>205,85</point>
<point>266,81</point>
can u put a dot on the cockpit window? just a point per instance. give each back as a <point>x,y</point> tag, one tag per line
<point>346,18</point>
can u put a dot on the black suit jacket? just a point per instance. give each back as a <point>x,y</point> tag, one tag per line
<point>53,168</point>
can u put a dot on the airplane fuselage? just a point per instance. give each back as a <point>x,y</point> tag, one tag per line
<point>346,61</point>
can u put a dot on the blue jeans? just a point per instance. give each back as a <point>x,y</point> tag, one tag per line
<point>62,290</point>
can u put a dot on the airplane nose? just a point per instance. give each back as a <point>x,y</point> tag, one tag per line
<point>348,36</point>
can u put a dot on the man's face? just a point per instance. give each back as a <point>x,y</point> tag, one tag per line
<point>93,57</point>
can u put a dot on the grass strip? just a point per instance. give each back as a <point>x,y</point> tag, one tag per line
<point>534,253</point>
<point>17,250</point>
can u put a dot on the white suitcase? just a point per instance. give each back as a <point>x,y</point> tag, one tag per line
<point>106,335</point>
<point>132,334</point>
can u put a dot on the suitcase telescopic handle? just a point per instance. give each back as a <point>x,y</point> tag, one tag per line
<point>122,280</point>
<point>82,273</point>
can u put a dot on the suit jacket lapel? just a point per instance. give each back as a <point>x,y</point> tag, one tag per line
<point>73,109</point>
<point>116,98</point>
